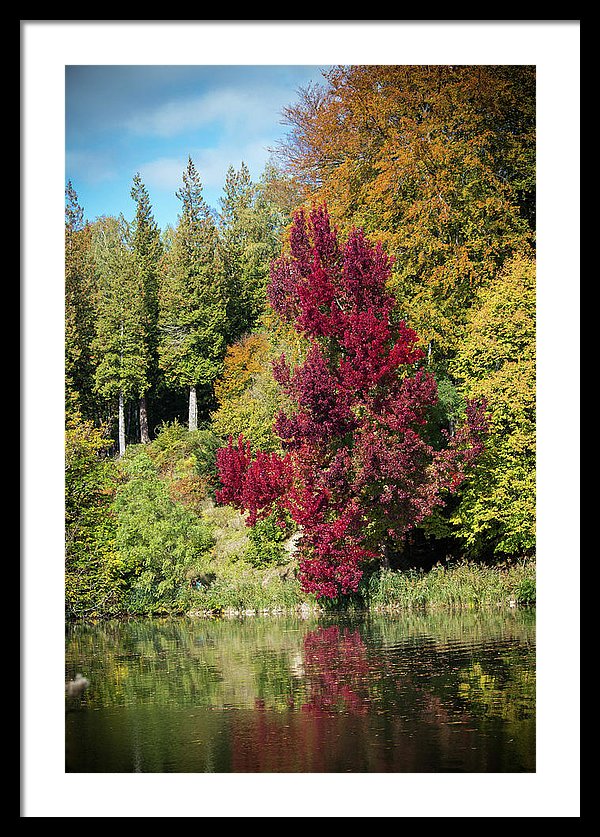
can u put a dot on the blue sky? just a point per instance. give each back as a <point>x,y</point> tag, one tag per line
<point>120,120</point>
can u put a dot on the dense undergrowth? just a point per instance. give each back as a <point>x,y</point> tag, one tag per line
<point>145,537</point>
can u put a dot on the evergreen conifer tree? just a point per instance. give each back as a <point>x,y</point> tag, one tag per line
<point>147,250</point>
<point>192,307</point>
<point>119,344</point>
<point>79,310</point>
<point>249,239</point>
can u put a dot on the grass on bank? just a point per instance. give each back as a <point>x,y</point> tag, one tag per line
<point>242,589</point>
<point>242,586</point>
<point>465,584</point>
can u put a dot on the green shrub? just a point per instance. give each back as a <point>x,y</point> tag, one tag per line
<point>177,451</point>
<point>162,545</point>
<point>267,539</point>
<point>92,581</point>
<point>525,591</point>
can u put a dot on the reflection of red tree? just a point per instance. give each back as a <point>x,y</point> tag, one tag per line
<point>268,741</point>
<point>356,719</point>
<point>336,668</point>
<point>336,673</point>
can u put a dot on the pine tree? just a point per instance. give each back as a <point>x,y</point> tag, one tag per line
<point>79,311</point>
<point>192,307</point>
<point>120,342</point>
<point>249,238</point>
<point>73,211</point>
<point>147,250</point>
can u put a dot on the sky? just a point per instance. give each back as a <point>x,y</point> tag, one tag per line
<point>120,120</point>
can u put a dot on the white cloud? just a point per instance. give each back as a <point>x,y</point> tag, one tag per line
<point>93,167</point>
<point>248,109</point>
<point>163,173</point>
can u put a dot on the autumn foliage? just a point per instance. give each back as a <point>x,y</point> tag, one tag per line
<point>437,162</point>
<point>357,471</point>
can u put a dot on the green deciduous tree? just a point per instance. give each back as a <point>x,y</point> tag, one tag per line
<point>92,585</point>
<point>161,543</point>
<point>192,305</point>
<point>497,361</point>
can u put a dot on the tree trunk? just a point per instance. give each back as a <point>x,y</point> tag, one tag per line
<point>193,411</point>
<point>385,556</point>
<point>144,435</point>
<point>121,424</point>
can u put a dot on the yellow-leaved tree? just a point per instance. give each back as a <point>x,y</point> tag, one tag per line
<point>497,361</point>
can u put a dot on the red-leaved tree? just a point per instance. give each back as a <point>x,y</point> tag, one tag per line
<point>357,472</point>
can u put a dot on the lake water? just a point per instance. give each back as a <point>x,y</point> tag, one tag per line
<point>278,694</point>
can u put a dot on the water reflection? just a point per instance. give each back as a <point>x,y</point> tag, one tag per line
<point>336,671</point>
<point>405,693</point>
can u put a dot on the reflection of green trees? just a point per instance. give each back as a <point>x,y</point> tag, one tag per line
<point>504,691</point>
<point>185,661</point>
<point>447,627</point>
<point>278,660</point>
